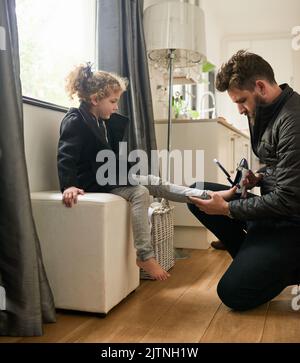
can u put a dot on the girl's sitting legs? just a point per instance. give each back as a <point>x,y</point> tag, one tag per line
<point>138,196</point>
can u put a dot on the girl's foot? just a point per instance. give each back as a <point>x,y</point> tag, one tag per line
<point>152,267</point>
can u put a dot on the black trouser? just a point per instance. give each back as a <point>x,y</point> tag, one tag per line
<point>266,256</point>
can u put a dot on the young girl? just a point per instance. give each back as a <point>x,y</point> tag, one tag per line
<point>96,126</point>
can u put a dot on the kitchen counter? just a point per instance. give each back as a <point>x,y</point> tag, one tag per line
<point>220,120</point>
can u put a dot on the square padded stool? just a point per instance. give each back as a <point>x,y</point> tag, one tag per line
<point>87,250</point>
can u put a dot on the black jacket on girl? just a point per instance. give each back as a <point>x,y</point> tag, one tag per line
<point>82,136</point>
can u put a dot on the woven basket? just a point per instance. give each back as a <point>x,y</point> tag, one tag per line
<point>162,236</point>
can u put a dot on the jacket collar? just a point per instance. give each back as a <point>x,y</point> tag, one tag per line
<point>267,113</point>
<point>91,121</point>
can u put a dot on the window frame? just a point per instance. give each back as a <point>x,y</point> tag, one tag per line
<point>44,104</point>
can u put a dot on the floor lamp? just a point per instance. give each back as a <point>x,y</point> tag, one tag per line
<point>175,38</point>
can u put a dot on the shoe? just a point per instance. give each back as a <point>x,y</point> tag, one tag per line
<point>218,245</point>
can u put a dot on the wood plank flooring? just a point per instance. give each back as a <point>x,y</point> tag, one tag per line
<point>186,308</point>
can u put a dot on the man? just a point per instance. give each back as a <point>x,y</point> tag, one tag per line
<point>261,233</point>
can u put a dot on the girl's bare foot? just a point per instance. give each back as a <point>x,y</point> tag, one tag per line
<point>152,267</point>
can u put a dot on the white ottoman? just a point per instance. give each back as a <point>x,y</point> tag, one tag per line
<point>87,250</point>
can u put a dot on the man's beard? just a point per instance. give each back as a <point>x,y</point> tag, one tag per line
<point>258,101</point>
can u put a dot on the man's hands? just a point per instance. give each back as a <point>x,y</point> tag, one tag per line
<point>70,196</point>
<point>226,194</point>
<point>217,204</point>
<point>252,179</point>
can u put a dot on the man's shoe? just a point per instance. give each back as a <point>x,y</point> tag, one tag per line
<point>218,245</point>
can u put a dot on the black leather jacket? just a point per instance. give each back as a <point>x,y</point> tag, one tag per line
<point>80,141</point>
<point>275,139</point>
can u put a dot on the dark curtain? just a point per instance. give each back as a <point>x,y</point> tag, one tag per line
<point>122,49</point>
<point>29,301</point>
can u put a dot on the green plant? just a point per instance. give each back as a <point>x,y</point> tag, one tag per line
<point>208,67</point>
<point>194,114</point>
<point>177,104</point>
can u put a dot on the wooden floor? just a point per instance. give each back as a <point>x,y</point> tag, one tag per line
<point>185,308</point>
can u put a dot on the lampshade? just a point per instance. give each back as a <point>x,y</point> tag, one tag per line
<point>178,26</point>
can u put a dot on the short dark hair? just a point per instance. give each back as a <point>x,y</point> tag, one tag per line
<point>242,70</point>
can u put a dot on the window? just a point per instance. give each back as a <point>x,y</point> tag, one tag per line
<point>54,36</point>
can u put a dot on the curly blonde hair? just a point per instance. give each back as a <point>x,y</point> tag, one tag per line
<point>84,83</point>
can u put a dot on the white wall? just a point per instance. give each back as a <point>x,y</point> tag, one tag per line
<point>41,133</point>
<point>296,67</point>
<point>214,34</point>
<point>275,49</point>
<point>263,28</point>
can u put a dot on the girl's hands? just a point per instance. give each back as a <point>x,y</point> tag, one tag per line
<point>70,196</point>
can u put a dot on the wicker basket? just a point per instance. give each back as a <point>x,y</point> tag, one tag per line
<point>162,235</point>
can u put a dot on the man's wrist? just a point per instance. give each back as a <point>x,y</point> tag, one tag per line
<point>259,178</point>
<point>227,211</point>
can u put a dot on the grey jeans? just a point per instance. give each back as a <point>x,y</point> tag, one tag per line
<point>139,198</point>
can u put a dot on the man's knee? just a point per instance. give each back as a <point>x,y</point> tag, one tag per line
<point>215,187</point>
<point>196,211</point>
<point>233,295</point>
<point>193,185</point>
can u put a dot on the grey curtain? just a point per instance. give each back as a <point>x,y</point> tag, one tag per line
<point>29,301</point>
<point>122,49</point>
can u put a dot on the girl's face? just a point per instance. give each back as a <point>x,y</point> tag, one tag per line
<point>107,106</point>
